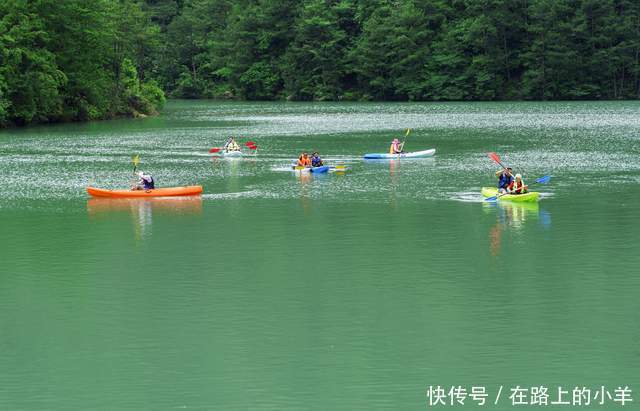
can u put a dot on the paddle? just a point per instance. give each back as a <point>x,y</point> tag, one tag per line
<point>250,145</point>
<point>405,139</point>
<point>496,158</point>
<point>541,180</point>
<point>135,160</point>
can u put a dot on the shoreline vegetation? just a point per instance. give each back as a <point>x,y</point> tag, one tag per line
<point>75,60</point>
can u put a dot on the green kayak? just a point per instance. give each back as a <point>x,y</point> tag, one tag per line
<point>526,197</point>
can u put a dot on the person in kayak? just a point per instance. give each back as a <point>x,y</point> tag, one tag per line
<point>517,186</point>
<point>231,145</point>
<point>145,183</point>
<point>505,178</point>
<point>304,160</point>
<point>316,161</point>
<point>396,147</point>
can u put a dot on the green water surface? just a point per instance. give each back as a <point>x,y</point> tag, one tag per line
<point>345,291</point>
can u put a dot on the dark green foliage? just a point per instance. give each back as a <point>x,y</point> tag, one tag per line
<point>404,49</point>
<point>82,60</point>
<point>64,60</point>
<point>30,81</point>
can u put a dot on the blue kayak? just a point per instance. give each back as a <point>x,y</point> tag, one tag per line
<point>321,169</point>
<point>415,154</point>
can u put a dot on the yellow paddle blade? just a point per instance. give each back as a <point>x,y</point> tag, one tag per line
<point>407,133</point>
<point>299,168</point>
<point>340,166</point>
<point>136,160</point>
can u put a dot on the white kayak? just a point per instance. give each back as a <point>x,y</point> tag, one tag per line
<point>413,154</point>
<point>237,153</point>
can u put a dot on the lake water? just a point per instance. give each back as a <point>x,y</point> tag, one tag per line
<point>345,291</point>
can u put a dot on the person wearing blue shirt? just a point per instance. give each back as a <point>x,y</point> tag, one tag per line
<point>316,161</point>
<point>505,178</point>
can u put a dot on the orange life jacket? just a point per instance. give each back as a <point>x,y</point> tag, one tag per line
<point>304,161</point>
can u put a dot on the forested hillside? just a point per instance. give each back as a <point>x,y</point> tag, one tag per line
<point>77,60</point>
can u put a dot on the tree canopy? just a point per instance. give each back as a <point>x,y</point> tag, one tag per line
<point>402,49</point>
<point>79,60</point>
<point>75,60</point>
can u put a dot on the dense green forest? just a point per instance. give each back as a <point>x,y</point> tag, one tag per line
<point>77,60</point>
<point>73,60</point>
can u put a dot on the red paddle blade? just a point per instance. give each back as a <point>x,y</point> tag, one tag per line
<point>249,144</point>
<point>495,157</point>
<point>254,147</point>
<point>215,150</point>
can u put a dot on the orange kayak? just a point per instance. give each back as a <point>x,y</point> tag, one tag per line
<point>158,192</point>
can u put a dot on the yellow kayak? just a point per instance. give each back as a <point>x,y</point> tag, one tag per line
<point>526,197</point>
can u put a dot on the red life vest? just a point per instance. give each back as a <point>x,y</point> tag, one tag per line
<point>516,188</point>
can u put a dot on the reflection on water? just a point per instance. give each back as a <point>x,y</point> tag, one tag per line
<point>142,209</point>
<point>179,205</point>
<point>513,217</point>
<point>305,177</point>
<point>394,181</point>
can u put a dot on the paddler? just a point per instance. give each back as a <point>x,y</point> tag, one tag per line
<point>316,161</point>
<point>145,183</point>
<point>231,145</point>
<point>505,178</point>
<point>304,160</point>
<point>517,186</point>
<point>396,147</point>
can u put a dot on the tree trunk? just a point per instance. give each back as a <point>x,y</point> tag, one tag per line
<point>544,69</point>
<point>506,55</point>
<point>622,81</point>
<point>635,73</point>
<point>636,68</point>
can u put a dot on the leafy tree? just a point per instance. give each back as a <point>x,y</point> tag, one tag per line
<point>31,81</point>
<point>78,60</point>
<point>315,61</point>
<point>63,60</point>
